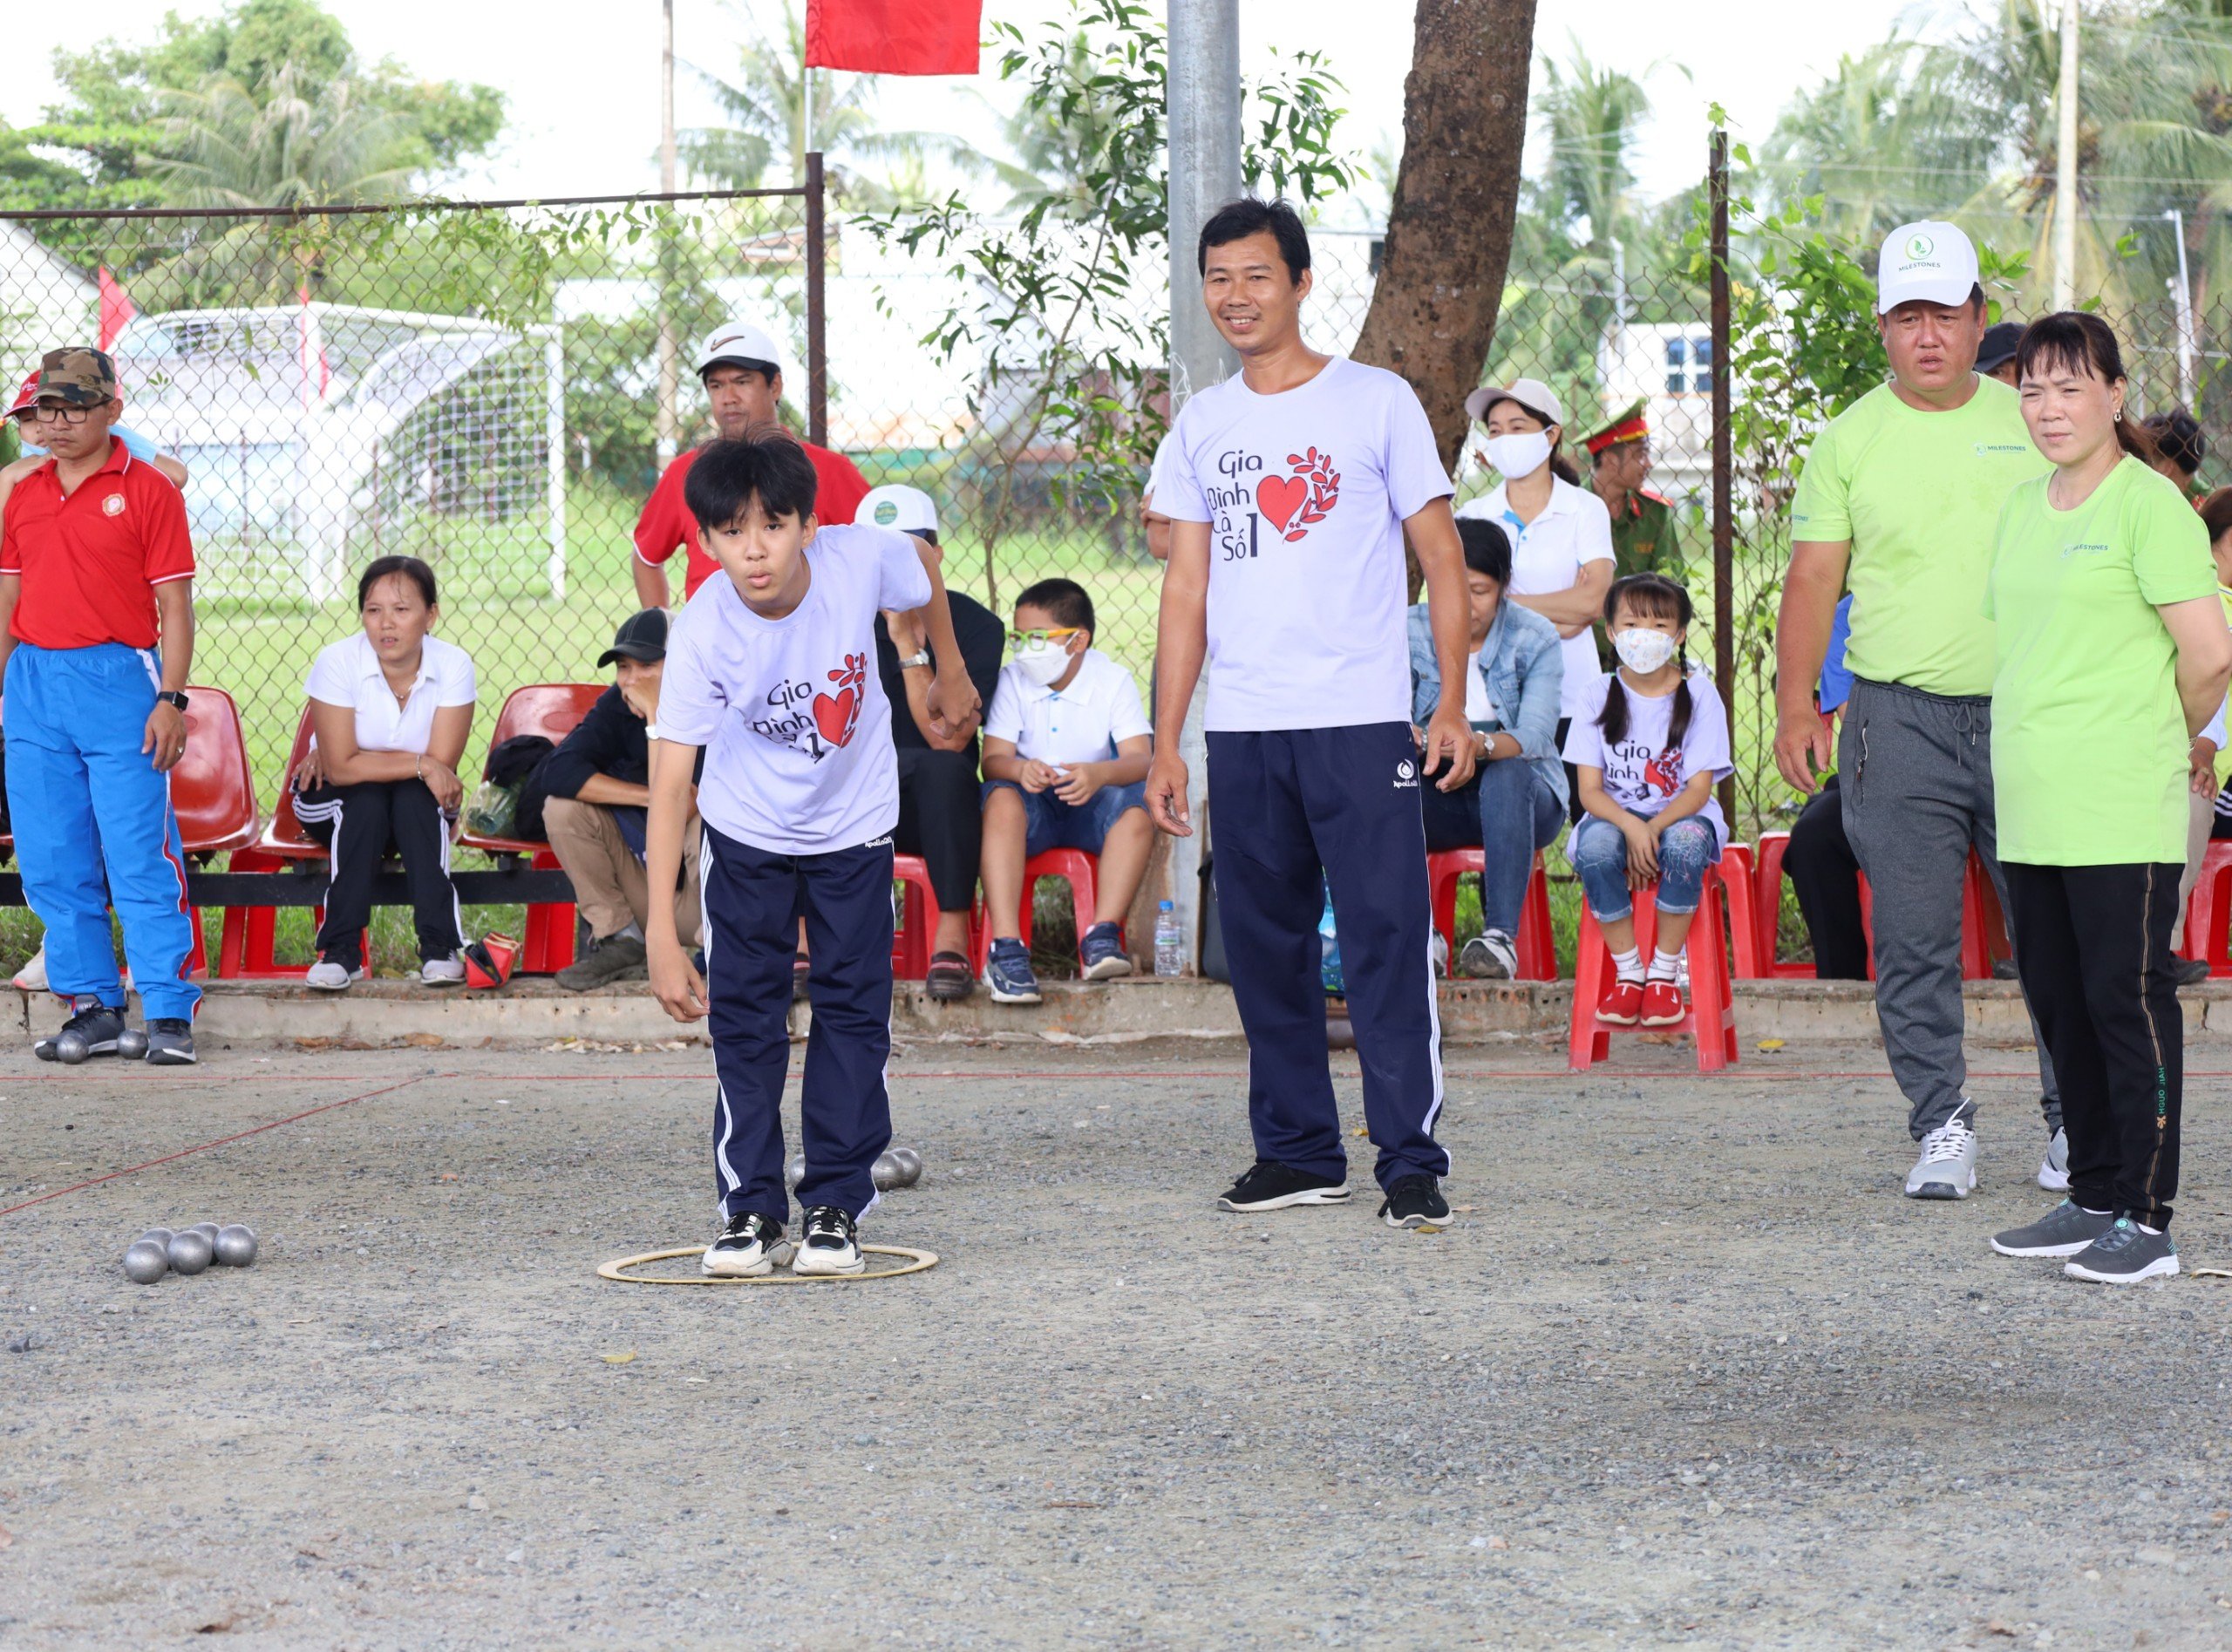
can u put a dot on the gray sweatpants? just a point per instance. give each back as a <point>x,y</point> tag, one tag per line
<point>1916,772</point>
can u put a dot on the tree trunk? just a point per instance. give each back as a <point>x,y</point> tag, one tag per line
<point>1441,277</point>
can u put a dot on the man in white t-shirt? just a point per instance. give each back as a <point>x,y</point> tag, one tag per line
<point>772,674</point>
<point>1290,490</point>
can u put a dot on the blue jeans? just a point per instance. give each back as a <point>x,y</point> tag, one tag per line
<point>1507,813</point>
<point>1049,822</point>
<point>1599,854</point>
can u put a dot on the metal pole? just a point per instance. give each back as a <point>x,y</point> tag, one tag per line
<point>817,341</point>
<point>1724,456</point>
<point>2188,335</point>
<point>2066,164</point>
<point>1202,99</point>
<point>667,415</point>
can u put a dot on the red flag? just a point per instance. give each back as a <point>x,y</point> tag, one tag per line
<point>894,36</point>
<point>116,309</point>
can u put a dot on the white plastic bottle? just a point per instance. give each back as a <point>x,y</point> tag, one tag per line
<point>1169,945</point>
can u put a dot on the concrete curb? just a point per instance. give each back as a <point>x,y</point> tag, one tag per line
<point>1133,1011</point>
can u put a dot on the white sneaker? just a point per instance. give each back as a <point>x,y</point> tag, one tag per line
<point>1947,1168</point>
<point>327,976</point>
<point>32,977</point>
<point>2054,1169</point>
<point>1437,949</point>
<point>748,1247</point>
<point>442,972</point>
<point>828,1243</point>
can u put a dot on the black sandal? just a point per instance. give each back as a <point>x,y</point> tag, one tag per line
<point>949,979</point>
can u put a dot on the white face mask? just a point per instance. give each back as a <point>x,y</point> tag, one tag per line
<point>1644,651</point>
<point>1041,662</point>
<point>1521,453</point>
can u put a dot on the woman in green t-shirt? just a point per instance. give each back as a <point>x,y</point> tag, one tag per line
<point>2112,654</point>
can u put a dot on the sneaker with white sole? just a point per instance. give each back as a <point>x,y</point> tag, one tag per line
<point>1007,973</point>
<point>442,972</point>
<point>750,1245</point>
<point>1270,1184</point>
<point>829,1243</point>
<point>2062,1230</point>
<point>95,1024</point>
<point>170,1041</point>
<point>1947,1166</point>
<point>2124,1256</point>
<point>32,977</point>
<point>1102,951</point>
<point>328,975</point>
<point>1415,1202</point>
<point>1490,955</point>
<point>2054,1169</point>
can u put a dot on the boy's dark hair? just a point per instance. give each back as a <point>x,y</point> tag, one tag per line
<point>2178,439</point>
<point>1237,220</point>
<point>1487,548</point>
<point>1064,601</point>
<point>409,567</point>
<point>768,466</point>
<point>1656,597</point>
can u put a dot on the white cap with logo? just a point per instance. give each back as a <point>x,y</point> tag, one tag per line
<point>1933,261</point>
<point>736,340</point>
<point>897,506</point>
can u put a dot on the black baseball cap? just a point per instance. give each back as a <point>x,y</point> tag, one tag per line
<point>1998,346</point>
<point>642,637</point>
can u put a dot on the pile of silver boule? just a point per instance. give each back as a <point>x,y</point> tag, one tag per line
<point>894,1168</point>
<point>159,1251</point>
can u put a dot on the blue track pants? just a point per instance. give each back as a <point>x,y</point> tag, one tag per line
<point>85,801</point>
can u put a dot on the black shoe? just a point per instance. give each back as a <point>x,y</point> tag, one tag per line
<point>949,981</point>
<point>170,1041</point>
<point>618,958</point>
<point>93,1030</point>
<point>2004,970</point>
<point>830,1244</point>
<point>1272,1185</point>
<point>2190,971</point>
<point>1415,1201</point>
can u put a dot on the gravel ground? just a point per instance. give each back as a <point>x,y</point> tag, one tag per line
<point>1691,1372</point>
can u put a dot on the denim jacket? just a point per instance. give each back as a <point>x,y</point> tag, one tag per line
<point>1524,672</point>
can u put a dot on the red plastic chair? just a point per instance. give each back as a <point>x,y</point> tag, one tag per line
<point>244,948</point>
<point>1739,880</point>
<point>2207,915</point>
<point>1983,932</point>
<point>551,710</point>
<point>1080,869</point>
<point>212,792</point>
<point>1711,1018</point>
<point>1538,951</point>
<point>918,919</point>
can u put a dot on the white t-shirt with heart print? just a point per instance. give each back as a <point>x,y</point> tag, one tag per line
<point>1305,494</point>
<point>798,757</point>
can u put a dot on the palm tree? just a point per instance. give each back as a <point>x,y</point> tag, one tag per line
<point>277,145</point>
<point>1593,117</point>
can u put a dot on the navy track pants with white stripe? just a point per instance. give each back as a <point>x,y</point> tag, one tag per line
<point>1283,805</point>
<point>753,899</point>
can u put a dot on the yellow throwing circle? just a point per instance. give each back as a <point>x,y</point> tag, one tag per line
<point>919,1262</point>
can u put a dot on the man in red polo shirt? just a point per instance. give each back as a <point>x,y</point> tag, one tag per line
<point>744,382</point>
<point>95,570</point>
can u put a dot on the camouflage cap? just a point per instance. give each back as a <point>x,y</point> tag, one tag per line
<point>77,376</point>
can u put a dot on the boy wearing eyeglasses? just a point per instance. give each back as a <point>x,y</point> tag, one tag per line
<point>1066,748</point>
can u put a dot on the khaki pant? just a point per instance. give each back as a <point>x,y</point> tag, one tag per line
<point>609,886</point>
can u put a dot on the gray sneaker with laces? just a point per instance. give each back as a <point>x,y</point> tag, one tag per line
<point>2062,1230</point>
<point>2124,1256</point>
<point>1947,1168</point>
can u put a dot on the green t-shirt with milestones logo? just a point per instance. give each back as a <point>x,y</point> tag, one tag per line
<point>2088,739</point>
<point>1918,495</point>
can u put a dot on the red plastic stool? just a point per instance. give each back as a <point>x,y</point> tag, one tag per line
<point>918,921</point>
<point>1075,866</point>
<point>1538,949</point>
<point>1738,880</point>
<point>2206,917</point>
<point>1766,896</point>
<point>1711,1018</point>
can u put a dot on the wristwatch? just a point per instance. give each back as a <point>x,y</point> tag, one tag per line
<point>913,661</point>
<point>175,697</point>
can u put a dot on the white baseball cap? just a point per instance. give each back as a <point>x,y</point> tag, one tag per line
<point>736,340</point>
<point>1930,261</point>
<point>1532,394</point>
<point>895,504</point>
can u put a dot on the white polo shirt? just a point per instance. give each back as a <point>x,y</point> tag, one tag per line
<point>1548,554</point>
<point>347,673</point>
<point>1081,724</point>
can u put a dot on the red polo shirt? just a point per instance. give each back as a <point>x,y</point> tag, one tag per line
<point>91,560</point>
<point>666,525</point>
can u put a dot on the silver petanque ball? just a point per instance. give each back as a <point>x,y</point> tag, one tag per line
<point>70,1048</point>
<point>145,1262</point>
<point>190,1252</point>
<point>886,1173</point>
<point>910,1165</point>
<point>208,1230</point>
<point>235,1246</point>
<point>131,1043</point>
<point>156,1236</point>
<point>795,1173</point>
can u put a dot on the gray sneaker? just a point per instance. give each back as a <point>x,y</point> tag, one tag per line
<point>1947,1168</point>
<point>1491,957</point>
<point>2054,1169</point>
<point>2062,1230</point>
<point>2124,1256</point>
<point>619,958</point>
<point>170,1041</point>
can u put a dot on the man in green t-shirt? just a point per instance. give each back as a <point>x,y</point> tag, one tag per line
<point>1898,503</point>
